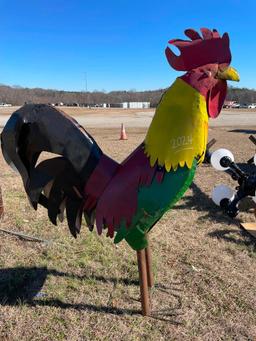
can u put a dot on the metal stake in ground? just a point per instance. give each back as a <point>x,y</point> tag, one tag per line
<point>149,265</point>
<point>144,292</point>
<point>145,277</point>
<point>1,204</point>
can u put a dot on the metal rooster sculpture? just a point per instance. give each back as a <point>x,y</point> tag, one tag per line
<point>129,198</point>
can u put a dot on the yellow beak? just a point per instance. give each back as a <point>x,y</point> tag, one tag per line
<point>228,74</point>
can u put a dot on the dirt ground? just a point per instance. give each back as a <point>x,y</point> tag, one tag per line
<point>87,289</point>
<point>136,118</point>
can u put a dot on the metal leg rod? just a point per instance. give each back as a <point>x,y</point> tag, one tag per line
<point>144,292</point>
<point>149,267</point>
<point>1,204</point>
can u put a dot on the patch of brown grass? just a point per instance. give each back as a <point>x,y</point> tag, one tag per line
<point>87,289</point>
<point>77,111</point>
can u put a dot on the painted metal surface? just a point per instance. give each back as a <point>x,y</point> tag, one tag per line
<point>129,198</point>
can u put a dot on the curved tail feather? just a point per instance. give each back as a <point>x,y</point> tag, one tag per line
<point>35,128</point>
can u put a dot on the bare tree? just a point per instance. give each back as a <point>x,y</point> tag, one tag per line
<point>18,96</point>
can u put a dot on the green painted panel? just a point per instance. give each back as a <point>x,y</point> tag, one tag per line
<point>153,202</point>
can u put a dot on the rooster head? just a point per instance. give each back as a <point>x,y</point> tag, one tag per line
<point>207,60</point>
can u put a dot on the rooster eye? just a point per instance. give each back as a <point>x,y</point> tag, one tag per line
<point>208,73</point>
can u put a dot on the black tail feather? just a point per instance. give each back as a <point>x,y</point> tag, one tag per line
<point>73,207</point>
<point>36,128</point>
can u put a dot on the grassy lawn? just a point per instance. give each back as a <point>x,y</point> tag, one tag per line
<point>87,289</point>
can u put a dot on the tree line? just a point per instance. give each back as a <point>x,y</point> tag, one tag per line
<point>18,96</point>
<point>241,95</point>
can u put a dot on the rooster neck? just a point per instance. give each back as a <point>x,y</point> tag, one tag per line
<point>200,82</point>
<point>178,131</point>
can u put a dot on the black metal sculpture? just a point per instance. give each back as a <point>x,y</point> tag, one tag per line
<point>224,196</point>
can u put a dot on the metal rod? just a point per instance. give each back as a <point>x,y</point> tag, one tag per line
<point>25,236</point>
<point>144,293</point>
<point>210,143</point>
<point>236,169</point>
<point>253,139</point>
<point>1,204</point>
<point>149,266</point>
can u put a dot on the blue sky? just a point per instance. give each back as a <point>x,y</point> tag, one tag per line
<point>115,45</point>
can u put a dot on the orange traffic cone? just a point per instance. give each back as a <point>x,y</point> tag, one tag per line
<point>123,135</point>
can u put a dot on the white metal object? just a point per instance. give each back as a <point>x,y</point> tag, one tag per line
<point>218,155</point>
<point>254,159</point>
<point>221,192</point>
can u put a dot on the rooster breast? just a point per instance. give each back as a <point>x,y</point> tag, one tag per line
<point>137,196</point>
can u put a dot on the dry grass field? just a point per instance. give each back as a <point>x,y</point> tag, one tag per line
<point>87,289</point>
<point>77,111</point>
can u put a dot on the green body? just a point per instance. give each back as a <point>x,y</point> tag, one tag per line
<point>153,202</point>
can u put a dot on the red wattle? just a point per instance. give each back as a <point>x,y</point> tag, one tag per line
<point>216,97</point>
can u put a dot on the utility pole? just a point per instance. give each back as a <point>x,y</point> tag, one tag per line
<point>85,75</point>
<point>86,89</point>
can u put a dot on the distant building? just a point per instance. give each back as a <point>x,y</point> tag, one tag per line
<point>123,105</point>
<point>135,105</point>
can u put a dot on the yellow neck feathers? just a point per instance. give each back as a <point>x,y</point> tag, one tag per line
<point>178,131</point>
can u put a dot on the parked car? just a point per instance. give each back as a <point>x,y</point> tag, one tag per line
<point>252,106</point>
<point>244,106</point>
<point>235,106</point>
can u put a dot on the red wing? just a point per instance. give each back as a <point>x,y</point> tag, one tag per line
<point>119,200</point>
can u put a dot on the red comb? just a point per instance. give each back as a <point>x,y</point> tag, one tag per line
<point>208,49</point>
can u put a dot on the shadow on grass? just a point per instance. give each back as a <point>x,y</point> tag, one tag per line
<point>243,131</point>
<point>240,237</point>
<point>84,306</point>
<point>201,202</point>
<point>23,285</point>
